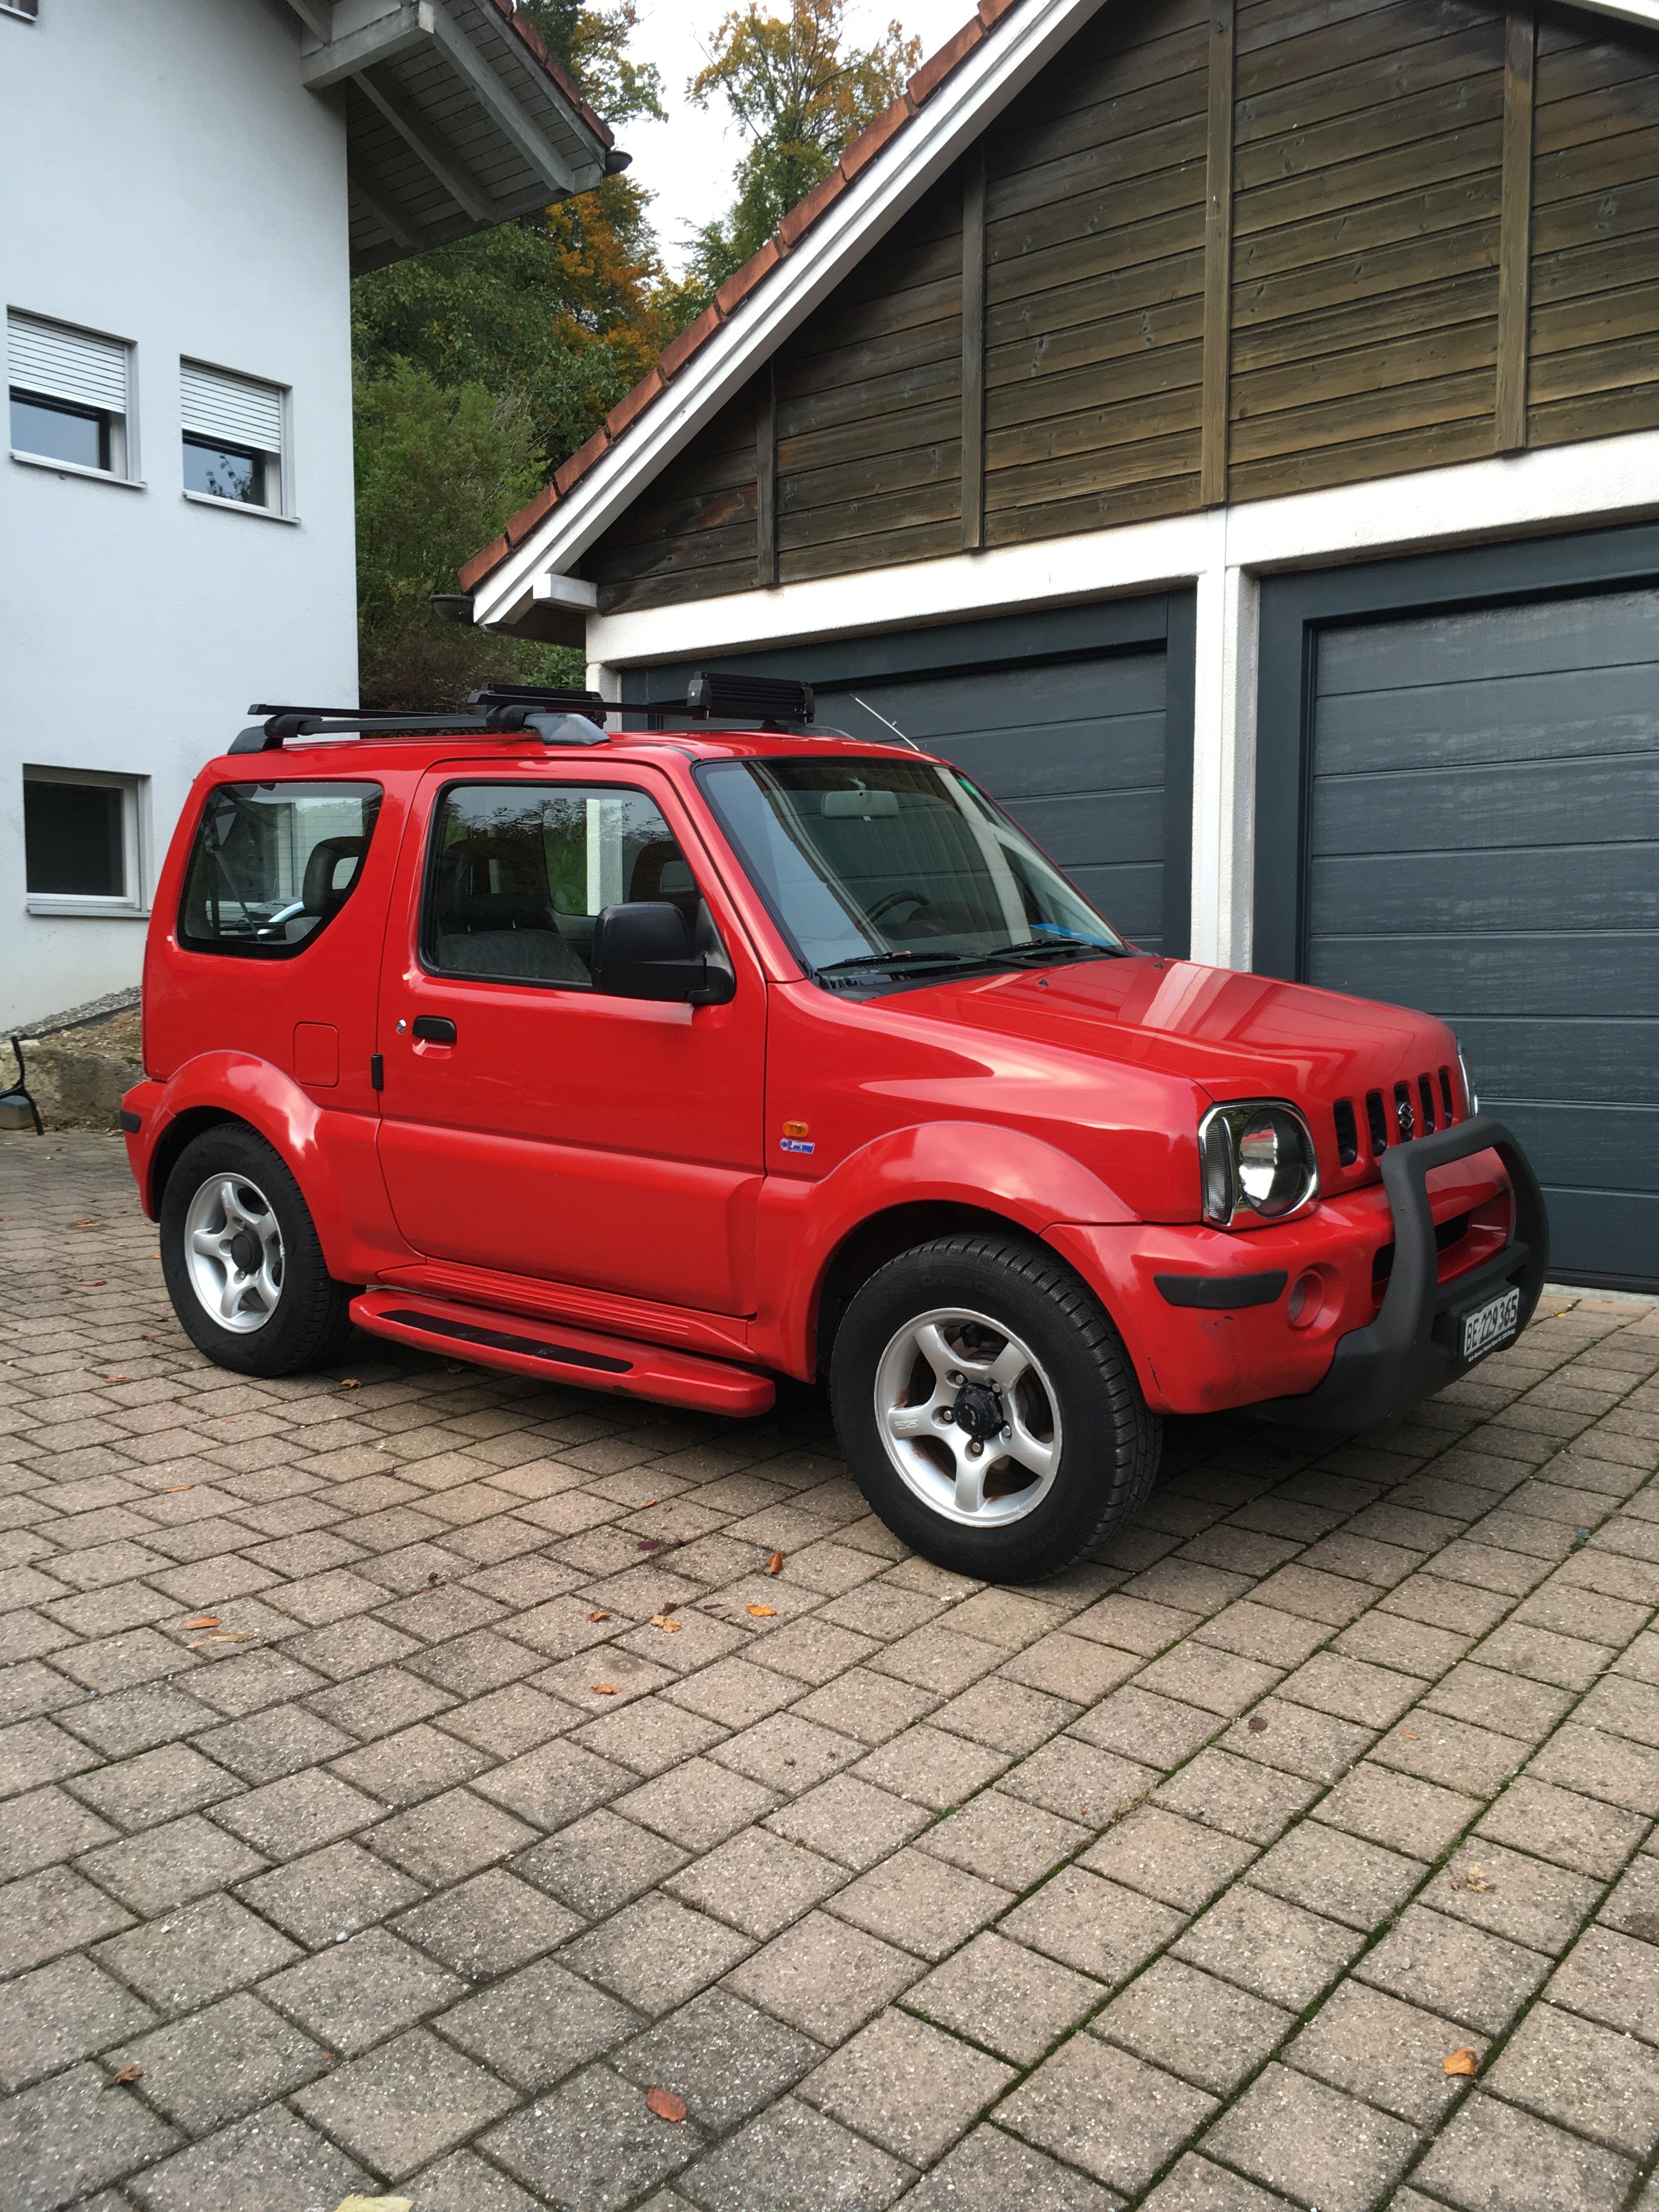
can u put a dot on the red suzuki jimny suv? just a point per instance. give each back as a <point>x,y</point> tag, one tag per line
<point>664,1061</point>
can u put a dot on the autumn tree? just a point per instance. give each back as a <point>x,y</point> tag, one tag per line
<point>798,94</point>
<point>479,365</point>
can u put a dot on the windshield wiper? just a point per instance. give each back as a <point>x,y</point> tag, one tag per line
<point>1052,948</point>
<point>891,960</point>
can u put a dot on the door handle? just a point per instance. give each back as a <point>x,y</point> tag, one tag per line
<point>435,1028</point>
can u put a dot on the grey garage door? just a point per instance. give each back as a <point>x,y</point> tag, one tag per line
<point>1484,841</point>
<point>1074,750</point>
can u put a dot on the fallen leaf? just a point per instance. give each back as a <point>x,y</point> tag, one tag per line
<point>1465,2060</point>
<point>774,1565</point>
<point>1257,1725</point>
<point>204,1620</point>
<point>1472,1878</point>
<point>599,1616</point>
<point>1411,1736</point>
<point>118,1378</point>
<point>88,1223</point>
<point>350,1383</point>
<point>173,1489</point>
<point>434,1581</point>
<point>650,1543</point>
<point>762,1612</point>
<point>662,1620</point>
<point>665,2104</point>
<point>376,2204</point>
<point>605,1690</point>
<point>127,2073</point>
<point>100,1284</point>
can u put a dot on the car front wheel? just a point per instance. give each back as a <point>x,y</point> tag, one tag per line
<point>988,1410</point>
<point>241,1260</point>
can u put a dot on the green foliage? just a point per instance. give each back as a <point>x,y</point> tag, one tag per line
<point>800,97</point>
<point>437,473</point>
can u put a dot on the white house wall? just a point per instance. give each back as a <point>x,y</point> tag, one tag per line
<point>169,181</point>
<point>1223,553</point>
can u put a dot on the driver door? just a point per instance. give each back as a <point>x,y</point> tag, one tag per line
<point>530,1125</point>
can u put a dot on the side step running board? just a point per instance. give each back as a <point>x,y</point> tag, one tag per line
<point>524,1345</point>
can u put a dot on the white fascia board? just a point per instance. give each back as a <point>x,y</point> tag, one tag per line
<point>1558,487</point>
<point>1645,12</point>
<point>1000,66</point>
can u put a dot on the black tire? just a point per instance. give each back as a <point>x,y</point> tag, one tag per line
<point>308,1324</point>
<point>1108,1438</point>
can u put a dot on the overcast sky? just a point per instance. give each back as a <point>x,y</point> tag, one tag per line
<point>687,163</point>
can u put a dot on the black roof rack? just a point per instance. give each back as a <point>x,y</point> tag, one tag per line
<point>556,717</point>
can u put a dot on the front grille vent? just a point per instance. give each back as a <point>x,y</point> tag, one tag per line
<point>1411,1112</point>
<point>1347,1132</point>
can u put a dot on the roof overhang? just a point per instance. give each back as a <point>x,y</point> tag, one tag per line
<point>518,590</point>
<point>456,119</point>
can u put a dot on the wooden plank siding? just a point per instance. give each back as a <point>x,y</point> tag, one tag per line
<point>1393,190</point>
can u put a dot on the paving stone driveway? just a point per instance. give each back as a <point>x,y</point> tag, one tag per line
<point>1172,1882</point>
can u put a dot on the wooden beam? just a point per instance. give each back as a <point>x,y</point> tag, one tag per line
<point>972,350</point>
<point>1217,258</point>
<point>499,103</point>
<point>1515,233</point>
<point>399,227</point>
<point>403,30</point>
<point>433,151</point>
<point>766,481</point>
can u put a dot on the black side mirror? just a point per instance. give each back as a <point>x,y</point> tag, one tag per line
<point>646,950</point>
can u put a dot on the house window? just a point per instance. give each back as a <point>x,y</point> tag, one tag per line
<point>82,832</point>
<point>27,9</point>
<point>68,395</point>
<point>232,430</point>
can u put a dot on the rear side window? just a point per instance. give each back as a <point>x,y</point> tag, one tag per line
<point>519,873</point>
<point>273,864</point>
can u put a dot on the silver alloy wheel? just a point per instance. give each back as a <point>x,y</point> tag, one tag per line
<point>969,1419</point>
<point>234,1250</point>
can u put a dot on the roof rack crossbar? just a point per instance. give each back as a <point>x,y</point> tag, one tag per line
<point>556,717</point>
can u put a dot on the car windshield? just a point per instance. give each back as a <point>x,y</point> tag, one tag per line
<point>877,868</point>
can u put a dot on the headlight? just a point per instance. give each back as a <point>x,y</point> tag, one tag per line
<point>1259,1163</point>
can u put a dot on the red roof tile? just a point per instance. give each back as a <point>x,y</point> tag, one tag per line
<point>738,288</point>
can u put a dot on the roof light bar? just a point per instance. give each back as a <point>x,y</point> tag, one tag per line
<point>720,697</point>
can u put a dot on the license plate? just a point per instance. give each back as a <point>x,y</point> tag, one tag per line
<point>1491,1324</point>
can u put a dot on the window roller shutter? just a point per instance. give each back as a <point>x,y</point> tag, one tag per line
<point>65,364</point>
<point>232,409</point>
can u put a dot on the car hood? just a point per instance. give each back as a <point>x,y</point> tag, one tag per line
<point>1238,1035</point>
<point>1227,1034</point>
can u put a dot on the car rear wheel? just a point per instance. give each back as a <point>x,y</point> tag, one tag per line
<point>988,1410</point>
<point>241,1260</point>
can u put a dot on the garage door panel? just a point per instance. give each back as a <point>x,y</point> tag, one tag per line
<point>1123,755</point>
<point>1106,828</point>
<point>1483,841</point>
<point>1534,637</point>
<point>1514,804</point>
<point>1131,898</point>
<point>1494,718</point>
<point>1584,1147</point>
<point>1571,1060</point>
<point>1012,701</point>
<point>1598,888</point>
<point>1603,1234</point>
<point>1458,977</point>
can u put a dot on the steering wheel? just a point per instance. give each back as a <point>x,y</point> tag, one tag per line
<point>915,901</point>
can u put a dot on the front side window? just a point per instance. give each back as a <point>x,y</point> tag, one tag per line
<point>520,872</point>
<point>69,394</point>
<point>878,869</point>
<point>273,864</point>
<point>233,434</point>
